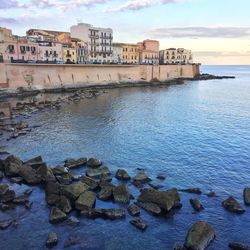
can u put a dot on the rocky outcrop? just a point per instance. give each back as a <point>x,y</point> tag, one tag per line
<point>57,215</point>
<point>232,205</point>
<point>94,163</point>
<point>12,166</point>
<point>199,236</point>
<point>59,170</point>
<point>121,174</point>
<point>166,200</point>
<point>121,194</point>
<point>246,196</point>
<point>72,163</point>
<point>139,223</point>
<point>238,246</point>
<point>197,206</point>
<point>133,210</point>
<point>30,175</point>
<point>74,190</point>
<point>86,200</point>
<point>52,240</point>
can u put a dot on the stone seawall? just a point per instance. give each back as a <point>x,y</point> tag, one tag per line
<point>47,76</point>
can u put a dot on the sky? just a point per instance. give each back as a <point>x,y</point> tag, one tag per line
<point>217,31</point>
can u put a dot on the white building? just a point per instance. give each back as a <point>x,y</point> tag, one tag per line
<point>176,56</point>
<point>117,53</point>
<point>99,41</point>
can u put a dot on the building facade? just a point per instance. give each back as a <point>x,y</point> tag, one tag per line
<point>176,56</point>
<point>117,53</point>
<point>149,52</point>
<point>130,53</point>
<point>69,53</point>
<point>50,52</point>
<point>99,40</point>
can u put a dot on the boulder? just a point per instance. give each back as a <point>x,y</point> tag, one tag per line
<point>141,177</point>
<point>196,205</point>
<point>238,246</point>
<point>166,200</point>
<point>94,163</point>
<point>22,199</point>
<point>6,195</point>
<point>191,190</point>
<point>64,204</point>
<point>121,194</point>
<point>29,175</point>
<point>72,163</point>
<point>199,236</point>
<point>72,221</point>
<point>1,174</point>
<point>52,199</point>
<point>139,223</point>
<point>232,205</point>
<point>133,210</point>
<point>45,173</point>
<point>57,215</point>
<point>211,194</point>
<point>74,190</point>
<point>246,196</point>
<point>52,240</point>
<point>36,159</point>
<point>149,207</point>
<point>17,180</point>
<point>85,201</point>
<point>64,179</point>
<point>28,191</point>
<point>59,170</point>
<point>12,166</point>
<point>105,177</point>
<point>52,187</point>
<point>97,172</point>
<point>93,184</point>
<point>107,213</point>
<point>121,174</point>
<point>106,193</point>
<point>161,177</point>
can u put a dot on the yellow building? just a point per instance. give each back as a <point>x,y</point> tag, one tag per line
<point>130,53</point>
<point>69,52</point>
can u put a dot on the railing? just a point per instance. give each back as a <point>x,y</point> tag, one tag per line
<point>106,37</point>
<point>94,44</point>
<point>94,36</point>
<point>106,44</point>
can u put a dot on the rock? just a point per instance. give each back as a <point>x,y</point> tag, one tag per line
<point>12,166</point>
<point>211,194</point>
<point>52,199</point>
<point>5,224</point>
<point>52,240</point>
<point>74,190</point>
<point>179,247</point>
<point>37,159</point>
<point>72,240</point>
<point>63,203</point>
<point>22,199</point>
<point>72,221</point>
<point>199,236</point>
<point>3,189</point>
<point>93,184</point>
<point>85,201</point>
<point>149,207</point>
<point>45,173</point>
<point>94,163</point>
<point>121,194</point>
<point>105,177</point>
<point>96,173</point>
<point>141,177</point>
<point>29,175</point>
<point>59,170</point>
<point>57,215</point>
<point>196,205</point>
<point>28,191</point>
<point>133,210</point>
<point>1,174</point>
<point>238,246</point>
<point>161,177</point>
<point>52,187</point>
<point>17,180</point>
<point>64,179</point>
<point>6,195</point>
<point>4,207</point>
<point>166,200</point>
<point>106,193</point>
<point>122,174</point>
<point>191,190</point>
<point>107,213</point>
<point>71,163</point>
<point>28,205</point>
<point>246,196</point>
<point>139,223</point>
<point>154,186</point>
<point>233,206</point>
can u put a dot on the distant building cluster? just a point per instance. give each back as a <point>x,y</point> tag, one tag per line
<point>84,44</point>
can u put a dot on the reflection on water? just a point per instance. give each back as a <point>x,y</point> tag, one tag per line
<point>196,134</point>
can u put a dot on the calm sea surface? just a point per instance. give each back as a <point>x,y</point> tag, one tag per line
<point>197,134</point>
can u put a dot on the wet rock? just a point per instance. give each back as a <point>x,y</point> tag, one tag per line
<point>72,221</point>
<point>139,223</point>
<point>4,207</point>
<point>36,159</point>
<point>63,203</point>
<point>45,173</point>
<point>96,173</point>
<point>199,236</point>
<point>105,177</point>
<point>1,174</point>
<point>3,189</point>
<point>121,174</point>
<point>85,201</point>
<point>107,213</point>
<point>72,163</point>
<point>5,224</point>
<point>246,196</point>
<point>52,199</point>
<point>28,191</point>
<point>64,179</point>
<point>72,240</point>
<point>154,186</point>
<point>191,190</point>
<point>52,187</point>
<point>12,166</point>
<point>57,215</point>
<point>94,163</point>
<point>211,194</point>
<point>29,175</point>
<point>121,194</point>
<point>149,207</point>
<point>6,195</point>
<point>106,193</point>
<point>238,246</point>
<point>141,177</point>
<point>59,170</point>
<point>52,240</point>
<point>17,180</point>
<point>232,205</point>
<point>196,205</point>
<point>166,200</point>
<point>93,184</point>
<point>161,177</point>
<point>179,247</point>
<point>133,210</point>
<point>22,199</point>
<point>74,190</point>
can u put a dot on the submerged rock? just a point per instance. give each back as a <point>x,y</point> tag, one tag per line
<point>72,163</point>
<point>52,240</point>
<point>139,223</point>
<point>5,224</point>
<point>121,194</point>
<point>191,190</point>
<point>22,199</point>
<point>141,177</point>
<point>199,236</point>
<point>57,215</point>
<point>107,213</point>
<point>238,246</point>
<point>72,240</point>
<point>196,205</point>
<point>246,196</point>
<point>72,221</point>
<point>122,174</point>
<point>161,177</point>
<point>86,200</point>
<point>211,194</point>
<point>94,163</point>
<point>232,205</point>
<point>133,210</point>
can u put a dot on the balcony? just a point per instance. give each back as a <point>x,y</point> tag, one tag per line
<point>55,54</point>
<point>68,55</point>
<point>105,44</point>
<point>94,36</point>
<point>106,37</point>
<point>46,54</point>
<point>94,44</point>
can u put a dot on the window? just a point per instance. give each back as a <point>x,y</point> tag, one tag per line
<point>27,48</point>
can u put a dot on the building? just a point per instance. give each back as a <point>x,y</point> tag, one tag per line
<point>176,56</point>
<point>5,35</point>
<point>130,53</point>
<point>99,40</point>
<point>117,53</point>
<point>49,51</point>
<point>69,53</point>
<point>149,51</point>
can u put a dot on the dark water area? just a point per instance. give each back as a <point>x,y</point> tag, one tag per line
<point>197,134</point>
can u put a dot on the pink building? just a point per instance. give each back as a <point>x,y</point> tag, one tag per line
<point>50,51</point>
<point>149,51</point>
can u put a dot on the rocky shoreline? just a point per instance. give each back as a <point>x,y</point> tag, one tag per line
<point>66,192</point>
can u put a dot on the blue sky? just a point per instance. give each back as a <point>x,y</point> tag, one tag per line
<point>218,31</point>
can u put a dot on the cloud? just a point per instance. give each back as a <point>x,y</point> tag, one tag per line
<point>10,4</point>
<point>221,53</point>
<point>6,20</point>
<point>140,4</point>
<point>199,32</point>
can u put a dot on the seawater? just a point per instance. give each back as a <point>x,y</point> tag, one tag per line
<point>197,134</point>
